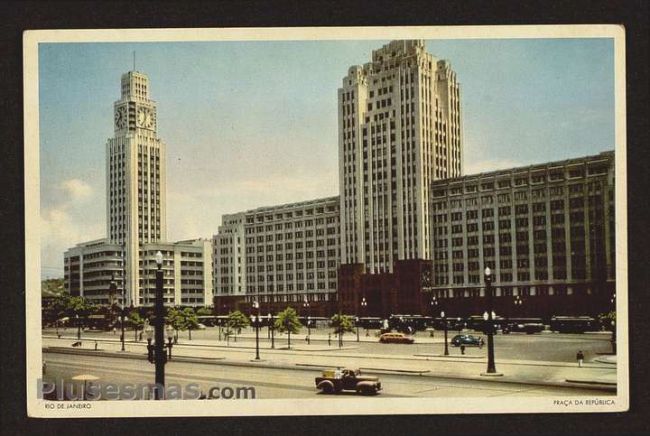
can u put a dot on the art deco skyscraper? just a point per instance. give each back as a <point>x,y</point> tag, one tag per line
<point>399,130</point>
<point>136,176</point>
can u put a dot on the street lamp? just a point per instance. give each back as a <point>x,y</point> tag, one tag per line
<point>256,305</point>
<point>305,304</point>
<point>518,302</point>
<point>269,317</point>
<point>76,317</point>
<point>364,304</point>
<point>434,304</point>
<point>148,331</point>
<point>444,320</point>
<point>356,324</point>
<point>170,338</point>
<point>488,316</point>
<point>288,326</point>
<point>157,353</point>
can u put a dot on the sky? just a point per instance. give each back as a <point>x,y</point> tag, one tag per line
<point>252,124</point>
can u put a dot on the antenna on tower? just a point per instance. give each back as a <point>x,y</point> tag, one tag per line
<point>133,60</point>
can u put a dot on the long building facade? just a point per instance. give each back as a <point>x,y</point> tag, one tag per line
<point>546,231</point>
<point>400,128</point>
<point>280,256</point>
<point>136,218</point>
<point>407,229</point>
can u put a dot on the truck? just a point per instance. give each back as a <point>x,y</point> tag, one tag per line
<point>336,381</point>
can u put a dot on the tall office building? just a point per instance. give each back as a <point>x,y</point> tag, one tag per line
<point>399,129</point>
<point>547,231</point>
<point>135,176</point>
<point>136,219</point>
<point>279,256</point>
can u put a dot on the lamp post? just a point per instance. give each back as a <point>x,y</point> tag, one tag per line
<point>364,303</point>
<point>256,317</point>
<point>148,331</point>
<point>157,352</point>
<point>518,302</point>
<point>356,324</point>
<point>488,316</point>
<point>288,326</point>
<point>305,304</point>
<point>269,317</point>
<point>122,321</point>
<point>434,304</point>
<point>444,320</point>
<point>170,338</point>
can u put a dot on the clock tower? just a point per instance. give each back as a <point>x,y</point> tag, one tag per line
<point>136,177</point>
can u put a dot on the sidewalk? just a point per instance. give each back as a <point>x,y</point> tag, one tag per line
<point>592,374</point>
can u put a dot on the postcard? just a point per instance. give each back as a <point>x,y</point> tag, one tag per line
<point>326,221</point>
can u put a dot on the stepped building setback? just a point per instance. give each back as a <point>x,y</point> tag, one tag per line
<point>409,233</point>
<point>136,219</point>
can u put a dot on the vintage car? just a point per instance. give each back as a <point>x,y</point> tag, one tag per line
<point>466,340</point>
<point>335,381</point>
<point>395,338</point>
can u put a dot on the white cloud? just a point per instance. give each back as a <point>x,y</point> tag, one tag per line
<point>77,189</point>
<point>70,217</point>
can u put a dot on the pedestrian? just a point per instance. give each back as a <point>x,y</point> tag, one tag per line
<point>580,357</point>
<point>462,349</point>
<point>329,339</point>
<point>114,330</point>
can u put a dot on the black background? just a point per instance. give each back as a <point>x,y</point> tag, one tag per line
<point>15,17</point>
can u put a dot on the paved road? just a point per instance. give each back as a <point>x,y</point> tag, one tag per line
<point>551,347</point>
<point>280,383</point>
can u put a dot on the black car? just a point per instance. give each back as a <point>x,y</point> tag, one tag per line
<point>471,340</point>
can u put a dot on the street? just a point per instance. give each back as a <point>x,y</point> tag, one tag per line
<point>282,383</point>
<point>552,347</point>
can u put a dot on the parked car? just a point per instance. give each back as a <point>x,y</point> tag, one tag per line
<point>395,338</point>
<point>335,381</point>
<point>471,340</point>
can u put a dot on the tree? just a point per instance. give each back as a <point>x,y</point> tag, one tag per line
<point>342,324</point>
<point>287,321</point>
<point>136,321</point>
<point>236,322</point>
<point>204,311</point>
<point>56,308</point>
<point>189,321</point>
<point>175,319</point>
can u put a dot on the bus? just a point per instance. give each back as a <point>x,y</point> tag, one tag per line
<point>573,324</point>
<point>409,323</point>
<point>523,325</point>
<point>370,322</point>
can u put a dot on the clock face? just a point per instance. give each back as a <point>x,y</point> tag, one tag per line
<point>142,115</point>
<point>148,120</point>
<point>120,117</point>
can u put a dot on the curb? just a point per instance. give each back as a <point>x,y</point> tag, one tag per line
<point>312,367</point>
<point>592,382</point>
